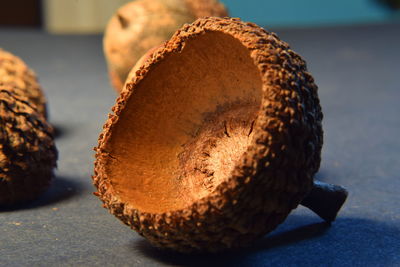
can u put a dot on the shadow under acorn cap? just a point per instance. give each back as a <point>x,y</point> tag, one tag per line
<point>214,141</point>
<point>61,189</point>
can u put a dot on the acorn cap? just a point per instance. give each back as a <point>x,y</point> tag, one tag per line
<point>142,24</point>
<point>214,141</point>
<point>27,151</point>
<point>14,72</point>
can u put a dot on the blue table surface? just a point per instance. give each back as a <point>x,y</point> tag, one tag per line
<point>357,70</point>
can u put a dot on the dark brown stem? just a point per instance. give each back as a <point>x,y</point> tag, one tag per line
<point>325,200</point>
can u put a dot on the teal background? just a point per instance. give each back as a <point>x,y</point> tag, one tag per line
<point>290,13</point>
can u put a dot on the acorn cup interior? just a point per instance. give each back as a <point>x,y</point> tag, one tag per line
<point>186,125</point>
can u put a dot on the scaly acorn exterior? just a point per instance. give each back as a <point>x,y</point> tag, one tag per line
<point>14,72</point>
<point>27,150</point>
<point>140,162</point>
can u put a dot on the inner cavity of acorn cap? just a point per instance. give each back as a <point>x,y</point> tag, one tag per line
<point>186,124</point>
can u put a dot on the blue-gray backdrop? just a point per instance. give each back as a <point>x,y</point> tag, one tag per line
<point>289,13</point>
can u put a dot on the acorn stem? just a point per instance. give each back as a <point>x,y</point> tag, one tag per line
<point>325,200</point>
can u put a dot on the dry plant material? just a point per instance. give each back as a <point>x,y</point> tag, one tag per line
<point>142,24</point>
<point>215,140</point>
<point>27,151</point>
<point>14,72</point>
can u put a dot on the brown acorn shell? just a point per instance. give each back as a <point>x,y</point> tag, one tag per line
<point>14,72</point>
<point>214,141</point>
<point>142,24</point>
<point>27,150</point>
<point>207,8</point>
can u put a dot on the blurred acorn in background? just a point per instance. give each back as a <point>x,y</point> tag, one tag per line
<point>143,24</point>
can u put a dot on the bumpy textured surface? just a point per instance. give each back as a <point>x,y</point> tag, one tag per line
<point>27,151</point>
<point>14,72</point>
<point>270,178</point>
<point>142,24</point>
